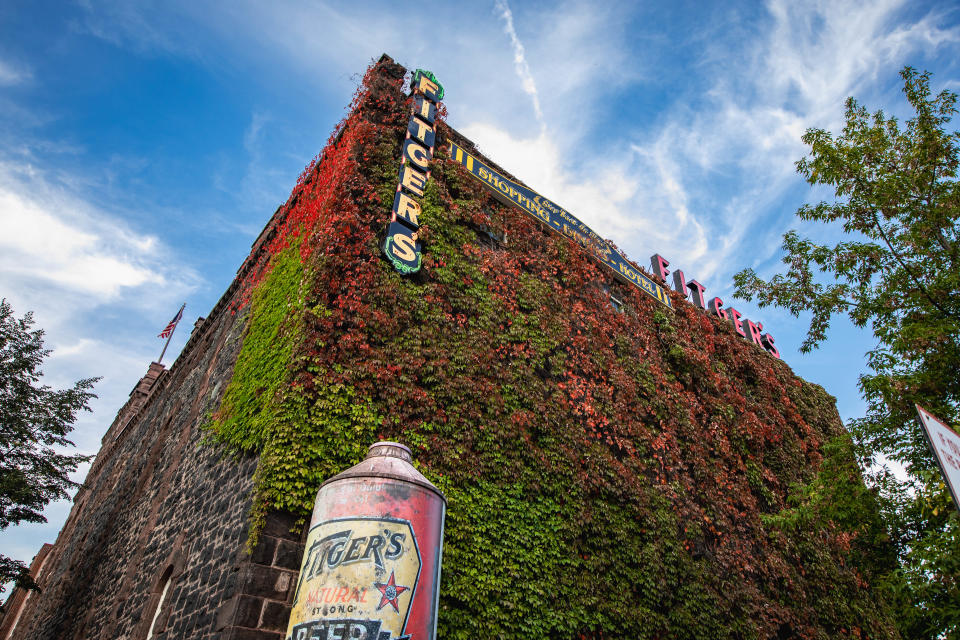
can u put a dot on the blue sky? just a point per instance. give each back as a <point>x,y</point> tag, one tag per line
<point>143,145</point>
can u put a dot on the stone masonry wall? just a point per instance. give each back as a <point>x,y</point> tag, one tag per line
<point>162,517</point>
<point>148,506</point>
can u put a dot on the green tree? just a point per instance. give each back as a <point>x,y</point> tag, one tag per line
<point>34,423</point>
<point>897,271</point>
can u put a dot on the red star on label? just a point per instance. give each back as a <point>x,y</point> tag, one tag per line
<point>390,591</point>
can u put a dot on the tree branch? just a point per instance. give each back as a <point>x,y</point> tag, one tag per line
<point>913,276</point>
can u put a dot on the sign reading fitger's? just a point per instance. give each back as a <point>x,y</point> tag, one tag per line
<point>561,220</point>
<point>401,245</point>
<point>746,329</point>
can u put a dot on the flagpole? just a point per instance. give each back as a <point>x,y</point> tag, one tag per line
<point>170,337</point>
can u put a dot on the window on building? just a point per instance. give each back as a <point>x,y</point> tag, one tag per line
<point>158,622</point>
<point>491,237</point>
<point>615,301</point>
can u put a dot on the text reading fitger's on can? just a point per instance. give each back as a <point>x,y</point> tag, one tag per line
<point>371,565</point>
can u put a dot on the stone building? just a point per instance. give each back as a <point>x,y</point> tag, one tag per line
<point>617,465</point>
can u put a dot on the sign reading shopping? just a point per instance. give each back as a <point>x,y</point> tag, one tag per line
<point>558,219</point>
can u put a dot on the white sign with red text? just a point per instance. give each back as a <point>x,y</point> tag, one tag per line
<point>946,449</point>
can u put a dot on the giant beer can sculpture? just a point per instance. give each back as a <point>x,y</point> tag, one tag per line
<point>371,565</point>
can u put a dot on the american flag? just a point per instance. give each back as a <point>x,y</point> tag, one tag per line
<point>168,331</point>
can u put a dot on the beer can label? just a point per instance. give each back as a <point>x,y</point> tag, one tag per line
<point>357,580</point>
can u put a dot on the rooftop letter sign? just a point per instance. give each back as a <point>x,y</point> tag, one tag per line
<point>746,329</point>
<point>558,219</point>
<point>401,245</point>
<point>945,444</point>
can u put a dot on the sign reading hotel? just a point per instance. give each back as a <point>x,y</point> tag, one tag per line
<point>945,444</point>
<point>558,219</point>
<point>401,245</point>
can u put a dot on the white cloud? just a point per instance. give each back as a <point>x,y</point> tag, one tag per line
<point>824,52</point>
<point>11,74</point>
<point>263,185</point>
<point>696,184</point>
<point>251,35</point>
<point>81,346</point>
<point>51,239</point>
<point>143,26</point>
<point>89,277</point>
<point>100,291</point>
<point>520,59</point>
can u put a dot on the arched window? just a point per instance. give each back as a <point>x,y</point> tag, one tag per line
<point>158,622</point>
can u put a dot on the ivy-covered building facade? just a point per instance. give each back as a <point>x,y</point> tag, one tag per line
<point>618,462</point>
